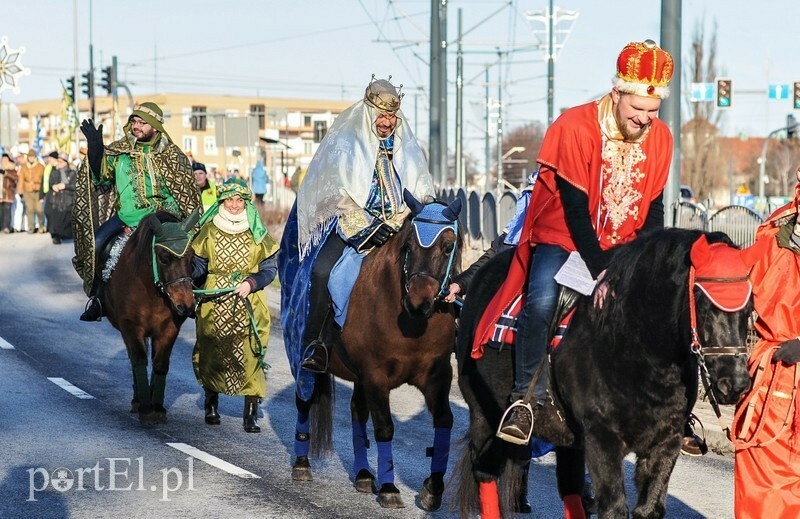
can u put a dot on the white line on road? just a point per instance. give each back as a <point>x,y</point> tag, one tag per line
<point>213,461</point>
<point>69,388</point>
<point>5,345</point>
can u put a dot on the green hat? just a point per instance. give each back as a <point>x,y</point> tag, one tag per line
<point>235,186</point>
<point>151,114</point>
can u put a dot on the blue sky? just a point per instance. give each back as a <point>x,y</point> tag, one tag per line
<point>329,49</point>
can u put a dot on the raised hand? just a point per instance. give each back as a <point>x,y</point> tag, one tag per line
<point>94,144</point>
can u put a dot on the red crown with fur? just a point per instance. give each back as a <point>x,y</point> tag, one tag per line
<point>644,69</point>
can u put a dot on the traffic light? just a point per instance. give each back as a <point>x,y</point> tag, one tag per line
<point>724,93</point>
<point>70,87</point>
<point>796,97</point>
<point>107,79</point>
<point>87,85</point>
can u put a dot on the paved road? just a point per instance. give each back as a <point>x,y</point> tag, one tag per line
<point>64,392</point>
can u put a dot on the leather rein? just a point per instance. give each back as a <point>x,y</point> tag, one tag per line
<point>162,285</point>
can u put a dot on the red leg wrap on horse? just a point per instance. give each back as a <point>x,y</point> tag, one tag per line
<point>573,507</point>
<point>490,500</point>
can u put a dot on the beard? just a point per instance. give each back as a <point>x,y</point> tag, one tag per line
<point>145,136</point>
<point>627,135</point>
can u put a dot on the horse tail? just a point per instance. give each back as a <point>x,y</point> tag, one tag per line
<point>511,481</point>
<point>465,499</point>
<point>321,415</point>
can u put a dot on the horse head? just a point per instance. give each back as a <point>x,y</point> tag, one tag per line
<point>721,308</point>
<point>431,251</point>
<point>172,262</point>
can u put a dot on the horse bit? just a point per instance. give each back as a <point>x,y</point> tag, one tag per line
<point>446,278</point>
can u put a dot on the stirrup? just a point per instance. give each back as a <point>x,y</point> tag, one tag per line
<point>313,345</point>
<point>90,304</point>
<point>513,439</point>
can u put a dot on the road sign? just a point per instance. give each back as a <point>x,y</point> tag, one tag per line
<point>702,92</point>
<point>779,91</point>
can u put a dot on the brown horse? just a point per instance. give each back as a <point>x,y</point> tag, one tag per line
<point>149,296</point>
<point>397,331</point>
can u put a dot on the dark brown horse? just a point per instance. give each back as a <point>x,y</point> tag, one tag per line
<point>147,298</point>
<point>397,331</point>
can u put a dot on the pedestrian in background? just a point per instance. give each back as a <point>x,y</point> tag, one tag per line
<point>259,181</point>
<point>233,250</point>
<point>59,199</point>
<point>8,190</point>
<point>208,189</point>
<point>31,174</point>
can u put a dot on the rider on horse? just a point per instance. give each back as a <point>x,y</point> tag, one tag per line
<point>143,172</point>
<point>351,200</point>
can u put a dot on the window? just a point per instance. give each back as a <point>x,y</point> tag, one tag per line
<point>189,143</point>
<point>306,148</point>
<point>198,118</point>
<point>320,129</point>
<point>210,145</point>
<point>306,120</point>
<point>260,112</point>
<point>186,117</point>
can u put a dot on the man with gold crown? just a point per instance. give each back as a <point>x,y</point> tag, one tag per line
<point>766,427</point>
<point>350,202</point>
<point>603,168</point>
<point>141,173</point>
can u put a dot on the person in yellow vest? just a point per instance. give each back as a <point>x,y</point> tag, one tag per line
<point>208,189</point>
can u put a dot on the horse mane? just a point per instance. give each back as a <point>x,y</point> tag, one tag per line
<point>142,238</point>
<point>652,269</point>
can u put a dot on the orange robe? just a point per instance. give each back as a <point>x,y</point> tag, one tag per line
<point>766,426</point>
<point>620,179</point>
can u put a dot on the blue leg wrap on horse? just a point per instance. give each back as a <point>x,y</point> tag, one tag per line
<point>385,463</point>
<point>360,446</point>
<point>301,436</point>
<point>441,449</point>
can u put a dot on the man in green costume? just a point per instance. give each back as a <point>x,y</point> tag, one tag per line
<point>119,184</point>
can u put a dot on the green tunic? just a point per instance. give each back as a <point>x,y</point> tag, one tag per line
<point>227,358</point>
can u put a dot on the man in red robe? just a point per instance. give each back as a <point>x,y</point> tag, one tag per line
<point>767,421</point>
<point>603,168</point>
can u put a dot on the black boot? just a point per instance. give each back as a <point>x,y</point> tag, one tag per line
<point>318,361</point>
<point>250,415</point>
<point>212,407</point>
<point>93,310</point>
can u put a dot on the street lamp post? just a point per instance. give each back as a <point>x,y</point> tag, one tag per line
<point>511,151</point>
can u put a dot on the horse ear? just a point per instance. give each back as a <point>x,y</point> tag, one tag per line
<point>701,252</point>
<point>155,226</point>
<point>191,221</point>
<point>413,204</point>
<point>452,211</point>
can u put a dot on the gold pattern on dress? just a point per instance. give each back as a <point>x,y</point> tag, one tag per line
<point>621,194</point>
<point>231,322</point>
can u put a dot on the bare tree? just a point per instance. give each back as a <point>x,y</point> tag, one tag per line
<point>703,166</point>
<point>528,136</point>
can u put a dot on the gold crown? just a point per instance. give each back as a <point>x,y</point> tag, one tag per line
<point>383,95</point>
<point>645,69</point>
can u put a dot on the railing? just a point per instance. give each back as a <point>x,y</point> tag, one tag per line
<point>484,217</point>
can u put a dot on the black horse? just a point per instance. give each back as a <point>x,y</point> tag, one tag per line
<point>397,331</point>
<point>625,377</point>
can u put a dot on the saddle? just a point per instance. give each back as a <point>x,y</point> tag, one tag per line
<point>109,255</point>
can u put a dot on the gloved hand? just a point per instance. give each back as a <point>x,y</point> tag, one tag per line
<point>94,144</point>
<point>383,233</point>
<point>788,352</point>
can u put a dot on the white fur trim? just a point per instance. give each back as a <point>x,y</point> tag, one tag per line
<point>639,89</point>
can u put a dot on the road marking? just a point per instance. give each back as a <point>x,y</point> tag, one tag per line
<point>214,461</point>
<point>5,345</point>
<point>69,388</point>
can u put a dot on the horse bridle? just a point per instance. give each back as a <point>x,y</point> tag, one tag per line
<point>161,285</point>
<point>697,348</point>
<point>447,273</point>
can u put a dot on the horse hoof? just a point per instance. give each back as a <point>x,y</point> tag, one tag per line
<point>147,419</point>
<point>301,470</point>
<point>430,497</point>
<point>389,496</point>
<point>365,482</point>
<point>134,407</point>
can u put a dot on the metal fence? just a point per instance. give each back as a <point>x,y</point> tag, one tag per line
<point>484,217</point>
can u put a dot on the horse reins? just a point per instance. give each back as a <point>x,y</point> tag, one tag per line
<point>697,348</point>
